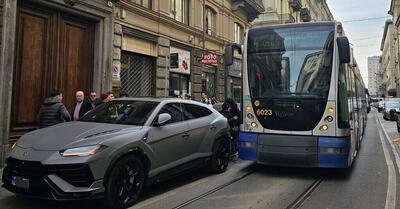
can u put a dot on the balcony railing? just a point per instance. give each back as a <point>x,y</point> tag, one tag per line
<point>295,4</point>
<point>305,15</point>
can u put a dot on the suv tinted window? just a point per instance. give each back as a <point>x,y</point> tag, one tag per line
<point>191,111</point>
<point>121,112</point>
<point>175,110</point>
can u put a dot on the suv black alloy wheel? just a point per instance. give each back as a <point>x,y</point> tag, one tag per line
<point>220,156</point>
<point>125,182</point>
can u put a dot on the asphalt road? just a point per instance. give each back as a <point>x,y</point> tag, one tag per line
<point>246,185</point>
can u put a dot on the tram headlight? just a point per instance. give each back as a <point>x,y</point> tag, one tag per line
<point>248,108</point>
<point>250,116</point>
<point>323,128</point>
<point>328,119</point>
<point>254,124</point>
<point>331,110</point>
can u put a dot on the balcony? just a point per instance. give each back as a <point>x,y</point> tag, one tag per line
<point>253,8</point>
<point>305,15</point>
<point>288,18</point>
<point>295,4</point>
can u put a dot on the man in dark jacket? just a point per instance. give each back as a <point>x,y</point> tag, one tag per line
<point>53,111</point>
<point>94,101</point>
<point>232,113</point>
<point>81,106</point>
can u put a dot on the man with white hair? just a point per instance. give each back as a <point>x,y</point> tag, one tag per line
<point>81,105</point>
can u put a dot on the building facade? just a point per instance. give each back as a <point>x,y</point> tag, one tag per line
<point>293,11</point>
<point>373,75</point>
<point>175,48</point>
<point>395,12</point>
<point>388,60</point>
<point>47,45</point>
<point>142,47</point>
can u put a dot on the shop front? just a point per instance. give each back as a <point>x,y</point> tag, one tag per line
<point>138,63</point>
<point>179,77</point>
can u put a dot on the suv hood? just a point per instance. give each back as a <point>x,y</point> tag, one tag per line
<point>60,136</point>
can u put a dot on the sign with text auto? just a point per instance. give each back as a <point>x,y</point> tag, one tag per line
<point>210,58</point>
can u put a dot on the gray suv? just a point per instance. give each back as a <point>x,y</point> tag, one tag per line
<point>116,149</point>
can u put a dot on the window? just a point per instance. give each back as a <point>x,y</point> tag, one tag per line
<point>121,112</point>
<point>137,74</point>
<point>191,111</point>
<point>343,111</point>
<point>238,33</point>
<point>210,21</point>
<point>180,11</point>
<point>178,84</point>
<point>174,109</point>
<point>208,83</point>
<point>145,3</point>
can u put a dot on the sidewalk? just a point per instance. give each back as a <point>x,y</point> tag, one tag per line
<point>390,128</point>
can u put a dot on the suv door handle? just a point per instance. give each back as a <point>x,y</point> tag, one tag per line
<point>185,135</point>
<point>213,127</point>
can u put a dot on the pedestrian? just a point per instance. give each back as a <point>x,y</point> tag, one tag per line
<point>94,101</point>
<point>232,113</point>
<point>106,96</point>
<point>53,111</point>
<point>214,100</point>
<point>123,94</point>
<point>81,106</point>
<point>188,97</point>
<point>205,99</point>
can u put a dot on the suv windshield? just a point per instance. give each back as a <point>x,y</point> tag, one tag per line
<point>290,62</point>
<point>121,112</point>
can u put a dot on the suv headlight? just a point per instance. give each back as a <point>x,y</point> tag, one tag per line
<point>82,151</point>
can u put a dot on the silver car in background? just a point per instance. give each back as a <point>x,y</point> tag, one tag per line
<point>117,148</point>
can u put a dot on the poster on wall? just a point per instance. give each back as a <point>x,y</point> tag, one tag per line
<point>116,72</point>
<point>180,60</point>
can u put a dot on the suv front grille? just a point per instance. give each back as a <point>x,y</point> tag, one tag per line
<point>78,175</point>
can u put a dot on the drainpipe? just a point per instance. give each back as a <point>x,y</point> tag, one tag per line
<point>281,11</point>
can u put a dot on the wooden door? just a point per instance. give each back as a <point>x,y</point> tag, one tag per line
<point>53,51</point>
<point>76,59</point>
<point>33,48</point>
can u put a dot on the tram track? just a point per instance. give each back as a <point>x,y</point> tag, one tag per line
<point>305,195</point>
<point>215,189</point>
<point>297,203</point>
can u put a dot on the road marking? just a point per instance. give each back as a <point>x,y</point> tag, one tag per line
<point>391,191</point>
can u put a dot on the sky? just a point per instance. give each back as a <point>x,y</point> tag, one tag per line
<point>363,22</point>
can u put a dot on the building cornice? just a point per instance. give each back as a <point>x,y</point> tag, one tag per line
<point>387,23</point>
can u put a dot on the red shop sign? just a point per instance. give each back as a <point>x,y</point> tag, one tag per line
<point>210,58</point>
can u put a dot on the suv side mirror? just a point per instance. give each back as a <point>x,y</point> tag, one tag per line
<point>229,52</point>
<point>162,119</point>
<point>344,49</point>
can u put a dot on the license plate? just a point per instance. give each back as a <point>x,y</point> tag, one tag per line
<point>19,182</point>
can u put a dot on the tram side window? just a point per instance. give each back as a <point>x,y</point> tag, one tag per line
<point>343,111</point>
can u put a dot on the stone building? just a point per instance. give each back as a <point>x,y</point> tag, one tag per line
<point>161,49</point>
<point>395,12</point>
<point>142,47</point>
<point>47,45</point>
<point>373,75</point>
<point>388,60</point>
<point>293,11</point>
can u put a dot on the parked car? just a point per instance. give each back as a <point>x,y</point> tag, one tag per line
<point>116,148</point>
<point>380,105</point>
<point>389,110</point>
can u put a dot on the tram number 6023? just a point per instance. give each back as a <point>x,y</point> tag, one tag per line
<point>264,112</point>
